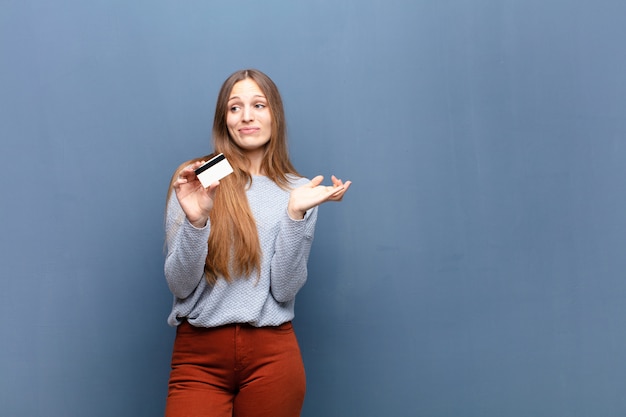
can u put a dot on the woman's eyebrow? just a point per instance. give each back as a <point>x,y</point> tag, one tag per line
<point>255,96</point>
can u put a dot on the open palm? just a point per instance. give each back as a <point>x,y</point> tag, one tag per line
<point>314,193</point>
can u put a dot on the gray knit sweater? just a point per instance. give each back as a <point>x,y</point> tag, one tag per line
<point>267,301</point>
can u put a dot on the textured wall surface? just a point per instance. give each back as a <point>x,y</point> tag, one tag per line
<point>475,269</point>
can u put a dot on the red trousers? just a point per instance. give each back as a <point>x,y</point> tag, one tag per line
<point>235,371</point>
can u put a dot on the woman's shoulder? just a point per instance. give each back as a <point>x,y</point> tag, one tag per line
<point>290,181</point>
<point>296,180</point>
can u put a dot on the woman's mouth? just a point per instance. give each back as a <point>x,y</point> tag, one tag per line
<point>248,130</point>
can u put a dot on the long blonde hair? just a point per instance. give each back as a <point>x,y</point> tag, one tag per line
<point>233,245</point>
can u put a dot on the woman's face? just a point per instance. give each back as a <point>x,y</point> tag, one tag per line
<point>248,117</point>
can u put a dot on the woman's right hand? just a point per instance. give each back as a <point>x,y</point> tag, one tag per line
<point>195,200</point>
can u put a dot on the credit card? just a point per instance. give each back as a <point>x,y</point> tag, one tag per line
<point>213,170</point>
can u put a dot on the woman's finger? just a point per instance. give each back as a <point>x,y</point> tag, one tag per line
<point>316,181</point>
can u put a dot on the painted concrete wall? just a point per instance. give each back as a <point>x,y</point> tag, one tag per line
<point>475,268</point>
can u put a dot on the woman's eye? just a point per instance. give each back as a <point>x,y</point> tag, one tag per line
<point>260,106</point>
<point>234,108</point>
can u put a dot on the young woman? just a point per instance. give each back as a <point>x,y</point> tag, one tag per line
<point>237,256</point>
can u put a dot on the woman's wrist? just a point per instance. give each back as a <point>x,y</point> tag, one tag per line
<point>198,223</point>
<point>295,214</point>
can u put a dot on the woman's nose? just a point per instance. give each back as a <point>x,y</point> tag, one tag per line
<point>248,114</point>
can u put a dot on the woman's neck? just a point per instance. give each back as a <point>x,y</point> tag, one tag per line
<point>255,159</point>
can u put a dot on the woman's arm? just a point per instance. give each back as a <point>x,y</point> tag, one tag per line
<point>291,254</point>
<point>186,250</point>
<point>293,244</point>
<point>187,229</point>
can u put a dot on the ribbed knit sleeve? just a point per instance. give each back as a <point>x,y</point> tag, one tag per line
<point>292,248</point>
<point>186,251</point>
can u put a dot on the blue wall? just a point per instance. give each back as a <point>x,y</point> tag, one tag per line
<point>476,267</point>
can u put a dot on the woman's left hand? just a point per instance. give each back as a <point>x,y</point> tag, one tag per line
<point>313,194</point>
